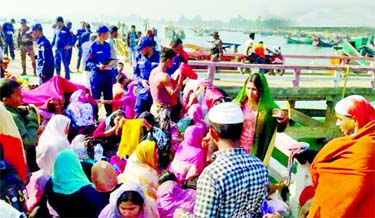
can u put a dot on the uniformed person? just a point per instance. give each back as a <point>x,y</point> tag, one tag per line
<point>8,32</point>
<point>25,42</point>
<point>102,76</point>
<point>146,60</point>
<point>62,41</point>
<point>45,61</point>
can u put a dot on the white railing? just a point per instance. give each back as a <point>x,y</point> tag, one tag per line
<point>340,71</point>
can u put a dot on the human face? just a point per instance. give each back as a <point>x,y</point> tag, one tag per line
<point>36,34</point>
<point>178,48</point>
<point>15,99</point>
<point>169,63</point>
<point>252,92</point>
<point>129,210</point>
<point>346,124</point>
<point>118,118</point>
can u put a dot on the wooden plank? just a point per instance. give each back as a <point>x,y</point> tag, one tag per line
<point>303,119</point>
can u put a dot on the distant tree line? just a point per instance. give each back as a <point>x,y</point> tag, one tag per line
<point>238,22</point>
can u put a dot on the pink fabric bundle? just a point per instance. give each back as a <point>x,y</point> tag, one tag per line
<point>54,88</point>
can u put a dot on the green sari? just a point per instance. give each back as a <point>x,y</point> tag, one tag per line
<point>265,124</point>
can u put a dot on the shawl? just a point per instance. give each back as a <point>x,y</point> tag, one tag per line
<point>343,175</point>
<point>51,142</point>
<point>129,137</point>
<point>111,210</point>
<point>265,124</point>
<point>68,176</point>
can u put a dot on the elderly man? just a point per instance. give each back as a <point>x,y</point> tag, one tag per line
<point>343,172</point>
<point>234,185</point>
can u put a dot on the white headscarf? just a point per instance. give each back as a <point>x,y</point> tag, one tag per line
<point>51,142</point>
<point>149,209</point>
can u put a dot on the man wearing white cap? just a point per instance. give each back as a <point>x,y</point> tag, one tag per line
<point>234,185</point>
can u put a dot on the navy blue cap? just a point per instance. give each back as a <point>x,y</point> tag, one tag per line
<point>59,19</point>
<point>145,42</point>
<point>102,29</point>
<point>23,20</point>
<point>37,26</point>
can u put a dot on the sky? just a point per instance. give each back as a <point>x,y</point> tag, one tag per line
<point>301,12</point>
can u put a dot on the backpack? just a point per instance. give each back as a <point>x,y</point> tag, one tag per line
<point>12,189</point>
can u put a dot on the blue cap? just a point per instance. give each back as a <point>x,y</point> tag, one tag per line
<point>37,26</point>
<point>145,42</point>
<point>102,29</point>
<point>23,20</point>
<point>59,19</point>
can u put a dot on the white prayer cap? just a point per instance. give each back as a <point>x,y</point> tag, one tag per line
<point>226,113</point>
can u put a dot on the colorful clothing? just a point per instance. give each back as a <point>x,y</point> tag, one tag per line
<point>234,185</point>
<point>141,167</point>
<point>130,137</point>
<point>80,111</point>
<point>171,196</point>
<point>111,210</point>
<point>265,125</point>
<point>343,175</point>
<point>11,141</point>
<point>189,159</point>
<point>51,142</point>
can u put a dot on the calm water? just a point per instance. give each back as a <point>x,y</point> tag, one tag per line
<point>226,36</point>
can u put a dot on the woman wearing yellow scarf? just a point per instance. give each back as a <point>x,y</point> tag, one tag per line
<point>141,168</point>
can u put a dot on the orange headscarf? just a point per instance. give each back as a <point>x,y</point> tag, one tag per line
<point>146,153</point>
<point>103,176</point>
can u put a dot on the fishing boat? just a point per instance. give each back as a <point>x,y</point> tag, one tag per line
<point>303,41</point>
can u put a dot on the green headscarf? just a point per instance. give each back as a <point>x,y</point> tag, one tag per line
<point>68,175</point>
<point>265,124</point>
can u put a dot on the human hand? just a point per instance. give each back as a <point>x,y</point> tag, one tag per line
<point>102,66</point>
<point>145,83</point>
<point>67,47</point>
<point>177,213</point>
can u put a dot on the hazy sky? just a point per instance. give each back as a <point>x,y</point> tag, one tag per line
<point>303,12</point>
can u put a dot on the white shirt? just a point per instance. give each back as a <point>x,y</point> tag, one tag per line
<point>249,43</point>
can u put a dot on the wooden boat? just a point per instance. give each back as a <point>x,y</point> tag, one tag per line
<point>303,41</point>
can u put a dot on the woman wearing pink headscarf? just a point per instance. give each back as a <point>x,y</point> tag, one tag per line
<point>81,111</point>
<point>189,159</point>
<point>343,172</point>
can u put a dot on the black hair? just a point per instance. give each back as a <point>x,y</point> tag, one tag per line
<point>120,78</point>
<point>7,87</point>
<point>255,78</point>
<point>116,114</point>
<point>113,29</point>
<point>176,42</point>
<point>252,35</point>
<point>88,26</point>
<point>132,26</point>
<point>150,119</point>
<point>227,131</point>
<point>167,53</point>
<point>132,196</point>
<point>166,176</point>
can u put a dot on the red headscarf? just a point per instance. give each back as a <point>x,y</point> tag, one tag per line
<point>357,107</point>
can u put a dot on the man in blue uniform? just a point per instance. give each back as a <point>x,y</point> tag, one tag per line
<point>85,37</point>
<point>146,60</point>
<point>98,58</point>
<point>45,56</point>
<point>80,42</point>
<point>8,32</point>
<point>62,42</point>
<point>73,39</point>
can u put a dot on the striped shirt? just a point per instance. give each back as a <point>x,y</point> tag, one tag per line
<point>232,186</point>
